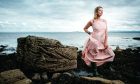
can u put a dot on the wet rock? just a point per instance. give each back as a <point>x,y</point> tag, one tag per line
<point>36,76</point>
<point>44,76</point>
<point>126,65</point>
<point>56,75</point>
<point>6,50</point>
<point>8,62</point>
<point>101,80</point>
<point>64,78</point>
<point>24,81</point>
<point>14,77</point>
<point>118,49</point>
<point>2,47</point>
<point>44,54</point>
<point>136,38</point>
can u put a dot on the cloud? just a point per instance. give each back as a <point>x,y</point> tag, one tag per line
<point>65,15</point>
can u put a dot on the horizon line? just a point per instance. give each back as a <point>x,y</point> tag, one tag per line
<point>63,31</point>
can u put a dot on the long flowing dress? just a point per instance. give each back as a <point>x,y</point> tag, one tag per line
<point>94,50</point>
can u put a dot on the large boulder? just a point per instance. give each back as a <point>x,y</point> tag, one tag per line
<point>15,76</point>
<point>39,53</point>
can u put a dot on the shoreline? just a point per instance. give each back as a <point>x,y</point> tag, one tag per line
<point>122,40</point>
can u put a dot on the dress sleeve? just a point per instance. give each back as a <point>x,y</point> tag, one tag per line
<point>106,34</point>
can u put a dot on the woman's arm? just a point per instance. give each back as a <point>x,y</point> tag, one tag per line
<point>87,26</point>
<point>106,36</point>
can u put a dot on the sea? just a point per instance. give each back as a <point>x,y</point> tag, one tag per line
<point>123,39</point>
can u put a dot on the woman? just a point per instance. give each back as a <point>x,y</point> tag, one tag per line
<point>96,50</point>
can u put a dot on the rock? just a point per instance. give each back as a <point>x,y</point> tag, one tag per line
<point>44,54</point>
<point>55,75</point>
<point>48,83</point>
<point>24,81</point>
<point>2,47</point>
<point>14,76</point>
<point>101,80</point>
<point>67,78</point>
<point>44,76</point>
<point>67,73</point>
<point>36,76</point>
<point>5,50</point>
<point>8,62</point>
<point>126,64</point>
<point>136,38</point>
<point>64,78</point>
<point>118,49</point>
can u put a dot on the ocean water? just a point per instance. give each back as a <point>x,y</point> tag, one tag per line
<point>121,39</point>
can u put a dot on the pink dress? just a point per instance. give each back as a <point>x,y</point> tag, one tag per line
<point>95,42</point>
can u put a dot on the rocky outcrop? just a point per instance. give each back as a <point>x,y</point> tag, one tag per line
<point>44,54</point>
<point>14,77</point>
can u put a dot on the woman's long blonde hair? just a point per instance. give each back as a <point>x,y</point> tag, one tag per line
<point>96,10</point>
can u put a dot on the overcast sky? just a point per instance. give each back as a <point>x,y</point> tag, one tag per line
<point>66,15</point>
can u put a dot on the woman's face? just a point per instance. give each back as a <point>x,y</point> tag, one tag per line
<point>100,12</point>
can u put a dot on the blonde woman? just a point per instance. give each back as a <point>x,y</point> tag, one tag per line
<point>96,49</point>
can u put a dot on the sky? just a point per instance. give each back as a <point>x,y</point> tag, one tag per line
<point>66,15</point>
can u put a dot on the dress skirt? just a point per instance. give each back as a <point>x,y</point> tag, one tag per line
<point>93,51</point>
